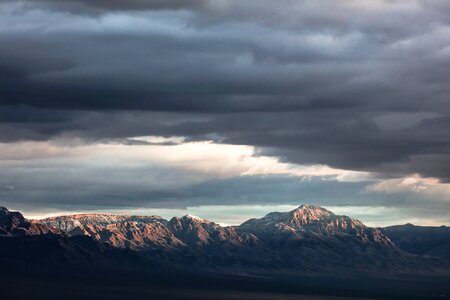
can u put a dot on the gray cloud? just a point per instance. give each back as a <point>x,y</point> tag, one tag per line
<point>307,82</point>
<point>75,193</point>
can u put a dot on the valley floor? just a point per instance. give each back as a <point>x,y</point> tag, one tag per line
<point>75,283</point>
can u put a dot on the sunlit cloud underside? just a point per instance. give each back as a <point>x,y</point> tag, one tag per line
<point>225,183</point>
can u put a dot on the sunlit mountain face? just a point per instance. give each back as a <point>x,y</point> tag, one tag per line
<point>308,239</point>
<point>230,111</point>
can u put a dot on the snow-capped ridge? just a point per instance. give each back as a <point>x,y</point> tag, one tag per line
<point>144,232</point>
<point>195,218</point>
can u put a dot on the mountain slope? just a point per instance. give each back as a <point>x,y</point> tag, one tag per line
<point>26,243</point>
<point>313,238</point>
<point>308,238</point>
<point>309,220</point>
<point>290,246</point>
<point>134,232</point>
<point>421,240</point>
<point>13,223</point>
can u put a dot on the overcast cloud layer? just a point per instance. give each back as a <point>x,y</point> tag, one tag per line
<point>362,86</point>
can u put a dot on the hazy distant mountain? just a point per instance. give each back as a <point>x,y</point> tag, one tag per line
<point>309,238</point>
<point>421,240</point>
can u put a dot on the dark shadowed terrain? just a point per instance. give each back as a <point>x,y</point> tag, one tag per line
<point>421,240</point>
<point>87,283</point>
<point>308,253</point>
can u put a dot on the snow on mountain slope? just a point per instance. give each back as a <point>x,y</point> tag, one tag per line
<point>135,232</point>
<point>307,220</point>
<point>149,232</point>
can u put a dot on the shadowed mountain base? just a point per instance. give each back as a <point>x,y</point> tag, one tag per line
<point>307,253</point>
<point>84,283</point>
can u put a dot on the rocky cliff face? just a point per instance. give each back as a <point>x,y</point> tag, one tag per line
<point>148,232</point>
<point>199,232</point>
<point>134,232</point>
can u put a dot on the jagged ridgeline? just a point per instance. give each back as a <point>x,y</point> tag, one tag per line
<point>309,238</point>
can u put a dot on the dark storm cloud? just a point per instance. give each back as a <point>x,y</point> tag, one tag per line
<point>114,193</point>
<point>99,6</point>
<point>327,82</point>
<point>136,4</point>
<point>116,190</point>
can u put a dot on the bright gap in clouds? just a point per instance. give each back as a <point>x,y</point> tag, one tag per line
<point>60,177</point>
<point>212,159</point>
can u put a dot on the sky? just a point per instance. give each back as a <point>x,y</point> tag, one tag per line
<point>226,109</point>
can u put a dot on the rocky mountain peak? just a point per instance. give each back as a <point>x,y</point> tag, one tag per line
<point>306,214</point>
<point>312,211</point>
<point>14,223</point>
<point>303,215</point>
<point>195,218</point>
<point>11,218</point>
<point>308,220</point>
<point>189,222</point>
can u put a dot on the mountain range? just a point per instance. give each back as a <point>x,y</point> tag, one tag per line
<point>307,239</point>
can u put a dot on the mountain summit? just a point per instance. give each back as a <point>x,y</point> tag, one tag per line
<point>315,224</point>
<point>303,215</point>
